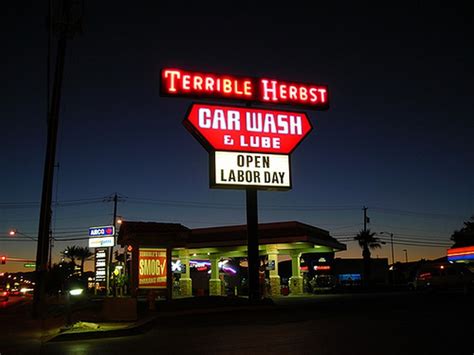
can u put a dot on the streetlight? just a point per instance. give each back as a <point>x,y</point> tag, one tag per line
<point>14,232</point>
<point>406,255</point>
<point>391,242</point>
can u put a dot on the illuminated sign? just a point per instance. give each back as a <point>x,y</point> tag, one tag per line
<point>244,170</point>
<point>100,265</point>
<point>232,128</point>
<point>179,83</point>
<point>101,231</point>
<point>461,254</point>
<point>322,267</point>
<point>152,268</point>
<point>101,242</point>
<point>177,267</point>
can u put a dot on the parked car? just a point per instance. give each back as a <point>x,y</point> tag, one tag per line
<point>322,283</point>
<point>443,276</point>
<point>4,295</point>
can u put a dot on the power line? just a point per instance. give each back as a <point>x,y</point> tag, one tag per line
<point>65,203</point>
<point>415,213</point>
<point>405,242</point>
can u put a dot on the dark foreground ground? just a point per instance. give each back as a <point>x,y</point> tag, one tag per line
<point>381,323</point>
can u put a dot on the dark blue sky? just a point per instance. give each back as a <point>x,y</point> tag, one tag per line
<point>398,137</point>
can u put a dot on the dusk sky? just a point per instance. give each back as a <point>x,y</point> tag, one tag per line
<point>397,138</point>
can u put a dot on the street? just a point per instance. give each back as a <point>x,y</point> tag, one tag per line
<point>383,323</point>
<point>12,300</point>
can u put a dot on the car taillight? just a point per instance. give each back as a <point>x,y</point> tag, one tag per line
<point>4,293</point>
<point>424,276</point>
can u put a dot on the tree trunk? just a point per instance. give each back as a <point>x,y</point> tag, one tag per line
<point>82,266</point>
<point>366,261</point>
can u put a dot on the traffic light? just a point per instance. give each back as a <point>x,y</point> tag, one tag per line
<point>4,259</point>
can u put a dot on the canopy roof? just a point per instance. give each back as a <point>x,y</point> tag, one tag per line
<point>229,240</point>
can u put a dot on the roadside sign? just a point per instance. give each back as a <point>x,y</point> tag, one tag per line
<point>152,268</point>
<point>101,242</point>
<point>245,170</point>
<point>101,231</point>
<point>185,83</point>
<point>30,265</point>
<point>244,129</point>
<point>100,265</point>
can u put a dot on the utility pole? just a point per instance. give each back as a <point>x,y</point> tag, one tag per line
<point>115,241</point>
<point>51,244</point>
<point>115,199</point>
<point>366,219</point>
<point>66,25</point>
<point>393,254</point>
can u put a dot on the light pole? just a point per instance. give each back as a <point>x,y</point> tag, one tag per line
<point>391,243</point>
<point>406,255</point>
<point>14,232</point>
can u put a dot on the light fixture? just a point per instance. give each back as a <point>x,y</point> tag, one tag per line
<point>76,291</point>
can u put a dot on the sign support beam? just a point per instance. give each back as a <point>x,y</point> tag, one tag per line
<point>252,242</point>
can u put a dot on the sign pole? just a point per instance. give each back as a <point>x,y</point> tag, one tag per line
<point>252,245</point>
<point>249,148</point>
<point>169,273</point>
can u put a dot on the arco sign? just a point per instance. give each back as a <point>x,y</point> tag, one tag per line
<point>243,129</point>
<point>101,231</point>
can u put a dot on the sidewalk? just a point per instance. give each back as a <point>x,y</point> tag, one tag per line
<point>146,319</point>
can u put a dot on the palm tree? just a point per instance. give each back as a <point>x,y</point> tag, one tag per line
<point>83,254</point>
<point>367,241</point>
<point>465,236</point>
<point>70,253</point>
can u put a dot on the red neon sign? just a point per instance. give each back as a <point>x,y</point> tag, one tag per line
<point>322,267</point>
<point>242,129</point>
<point>461,251</point>
<point>179,83</point>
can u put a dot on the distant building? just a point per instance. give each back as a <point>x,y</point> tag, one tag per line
<point>350,272</point>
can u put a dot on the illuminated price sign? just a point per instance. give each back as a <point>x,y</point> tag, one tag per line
<point>100,265</point>
<point>179,83</point>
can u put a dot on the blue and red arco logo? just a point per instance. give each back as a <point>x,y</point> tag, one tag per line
<point>101,231</point>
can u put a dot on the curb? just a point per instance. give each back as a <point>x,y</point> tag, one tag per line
<point>139,327</point>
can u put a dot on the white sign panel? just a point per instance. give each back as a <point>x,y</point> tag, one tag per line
<point>243,170</point>
<point>101,242</point>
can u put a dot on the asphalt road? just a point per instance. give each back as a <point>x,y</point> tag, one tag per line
<point>385,323</point>
<point>12,300</point>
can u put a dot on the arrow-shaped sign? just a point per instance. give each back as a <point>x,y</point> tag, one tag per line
<point>244,129</point>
